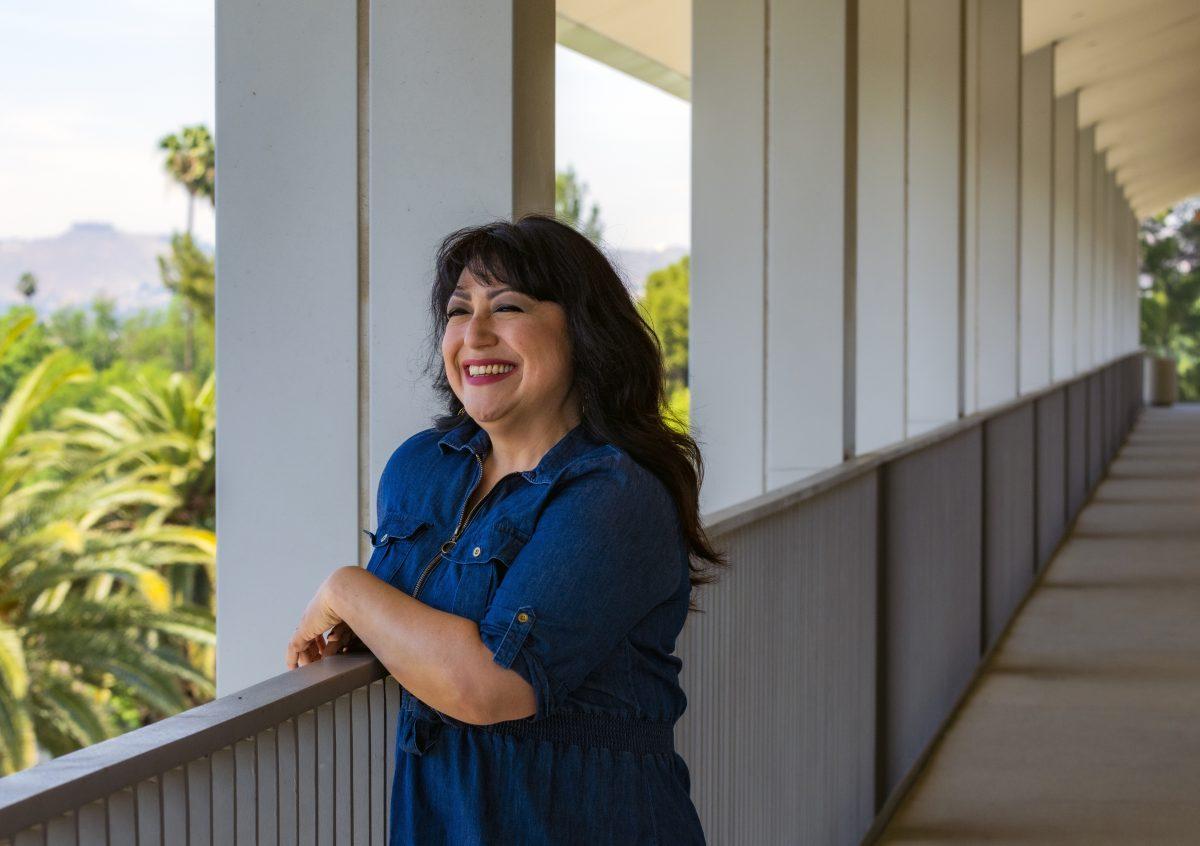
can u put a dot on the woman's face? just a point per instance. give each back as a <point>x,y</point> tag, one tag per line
<point>507,355</point>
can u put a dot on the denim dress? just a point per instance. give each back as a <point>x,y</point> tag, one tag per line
<point>577,573</point>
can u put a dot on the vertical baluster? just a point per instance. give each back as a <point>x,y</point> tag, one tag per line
<point>391,690</point>
<point>199,800</point>
<point>93,827</point>
<point>60,831</point>
<point>379,741</point>
<point>360,773</point>
<point>223,787</point>
<point>326,738</point>
<point>285,781</point>
<point>149,818</point>
<point>246,790</point>
<point>343,787</point>
<point>267,806</point>
<point>306,777</point>
<point>174,807</point>
<point>122,817</point>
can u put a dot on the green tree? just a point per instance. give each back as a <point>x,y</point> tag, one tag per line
<point>664,303</point>
<point>27,285</point>
<point>570,200</point>
<point>88,631</point>
<point>1170,303</point>
<point>190,273</point>
<point>191,161</point>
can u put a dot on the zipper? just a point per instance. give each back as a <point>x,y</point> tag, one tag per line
<point>458,530</point>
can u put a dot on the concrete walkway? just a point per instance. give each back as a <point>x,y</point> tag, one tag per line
<point>1085,727</point>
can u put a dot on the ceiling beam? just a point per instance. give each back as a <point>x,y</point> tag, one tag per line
<point>1121,46</point>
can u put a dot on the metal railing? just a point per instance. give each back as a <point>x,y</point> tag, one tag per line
<point>859,607</point>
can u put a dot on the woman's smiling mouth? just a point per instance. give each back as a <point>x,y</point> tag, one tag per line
<point>486,371</point>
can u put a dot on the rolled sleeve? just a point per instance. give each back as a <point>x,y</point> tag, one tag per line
<point>604,554</point>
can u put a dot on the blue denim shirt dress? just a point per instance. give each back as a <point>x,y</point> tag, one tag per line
<point>577,573</point>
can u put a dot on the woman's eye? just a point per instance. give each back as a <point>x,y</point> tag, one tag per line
<point>513,307</point>
<point>454,311</point>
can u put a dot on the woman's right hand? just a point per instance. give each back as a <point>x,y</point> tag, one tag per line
<point>340,639</point>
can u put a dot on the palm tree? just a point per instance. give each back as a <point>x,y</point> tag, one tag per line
<point>191,161</point>
<point>27,285</point>
<point>86,616</point>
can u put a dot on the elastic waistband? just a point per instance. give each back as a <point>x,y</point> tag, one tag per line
<point>612,732</point>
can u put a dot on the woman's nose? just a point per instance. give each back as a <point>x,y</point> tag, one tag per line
<point>479,331</point>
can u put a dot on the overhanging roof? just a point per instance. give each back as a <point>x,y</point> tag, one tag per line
<point>1135,64</point>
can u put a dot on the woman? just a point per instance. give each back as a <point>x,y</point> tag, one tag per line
<point>533,561</point>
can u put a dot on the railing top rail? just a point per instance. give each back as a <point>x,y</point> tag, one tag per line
<point>734,517</point>
<point>70,781</point>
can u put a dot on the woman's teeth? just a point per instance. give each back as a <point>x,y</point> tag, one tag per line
<point>489,369</point>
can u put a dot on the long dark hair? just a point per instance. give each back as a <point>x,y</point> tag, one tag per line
<point>617,357</point>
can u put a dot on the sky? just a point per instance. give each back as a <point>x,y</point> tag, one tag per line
<point>102,82</point>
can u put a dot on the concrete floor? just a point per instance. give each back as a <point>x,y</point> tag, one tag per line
<point>1085,727</point>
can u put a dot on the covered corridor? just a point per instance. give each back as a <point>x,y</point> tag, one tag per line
<point>1082,727</point>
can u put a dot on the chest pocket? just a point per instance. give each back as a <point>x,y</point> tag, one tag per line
<point>480,560</point>
<point>393,544</point>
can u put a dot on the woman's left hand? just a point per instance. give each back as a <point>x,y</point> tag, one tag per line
<point>308,639</point>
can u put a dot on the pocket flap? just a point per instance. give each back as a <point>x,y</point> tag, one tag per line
<point>494,543</point>
<point>396,525</point>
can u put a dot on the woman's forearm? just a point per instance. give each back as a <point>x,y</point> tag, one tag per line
<point>438,657</point>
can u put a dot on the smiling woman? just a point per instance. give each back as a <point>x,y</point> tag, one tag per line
<point>534,561</point>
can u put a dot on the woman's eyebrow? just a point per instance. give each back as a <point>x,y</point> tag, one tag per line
<point>492,292</point>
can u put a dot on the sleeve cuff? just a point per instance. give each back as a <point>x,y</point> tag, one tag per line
<point>505,644</point>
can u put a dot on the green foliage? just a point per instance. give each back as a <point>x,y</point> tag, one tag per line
<point>27,285</point>
<point>570,198</point>
<point>191,160</point>
<point>87,612</point>
<point>664,304</point>
<point>1170,306</point>
<point>190,273</point>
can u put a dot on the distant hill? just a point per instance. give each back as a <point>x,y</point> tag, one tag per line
<point>87,259</point>
<point>94,258</point>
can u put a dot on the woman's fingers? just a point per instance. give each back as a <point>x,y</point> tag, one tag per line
<point>341,637</point>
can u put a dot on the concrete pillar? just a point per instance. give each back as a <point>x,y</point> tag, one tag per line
<point>880,344</point>
<point>336,124</point>
<point>806,167</point>
<point>1100,267</point>
<point>769,239</point>
<point>1085,182</point>
<point>934,204</point>
<point>1063,307</point>
<point>727,340</point>
<point>993,95</point>
<point>1035,315</point>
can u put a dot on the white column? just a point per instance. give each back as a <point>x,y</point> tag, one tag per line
<point>1066,145</point>
<point>727,352</point>
<point>325,251</point>
<point>1037,218</point>
<point>879,301</point>
<point>992,196</point>
<point>287,332</point>
<point>1099,257</point>
<point>934,145</point>
<point>1085,161</point>
<point>445,110</point>
<point>806,162</point>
